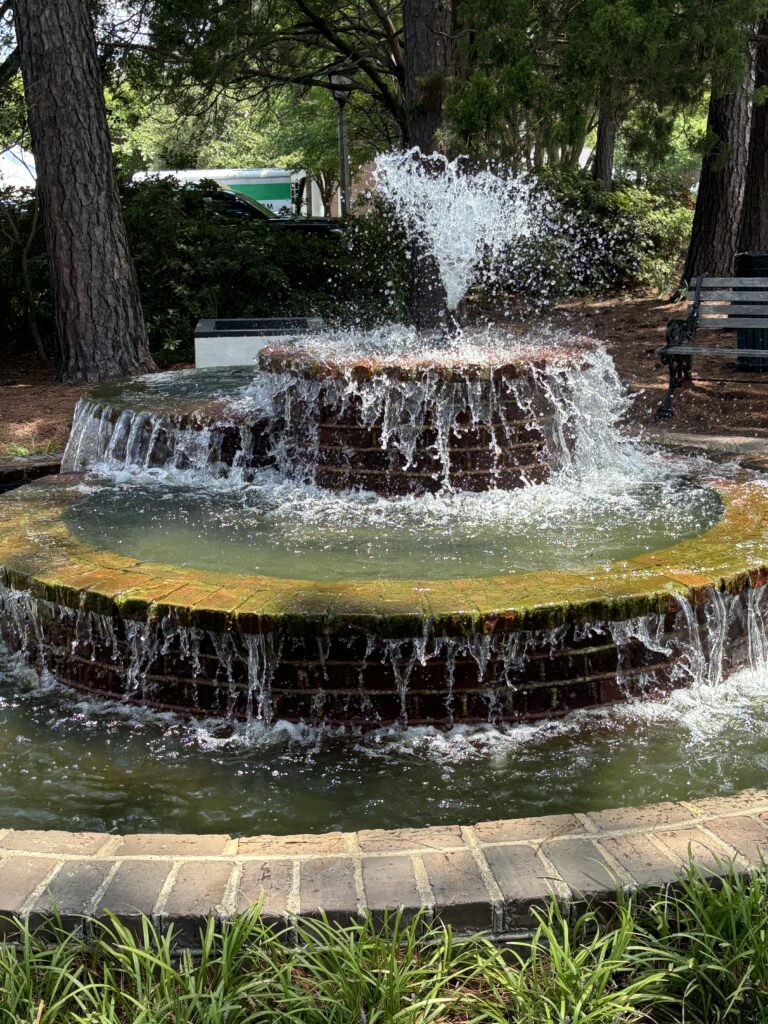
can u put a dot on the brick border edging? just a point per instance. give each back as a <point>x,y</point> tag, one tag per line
<point>486,877</point>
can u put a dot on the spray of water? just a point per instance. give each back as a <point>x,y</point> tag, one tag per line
<point>464,218</point>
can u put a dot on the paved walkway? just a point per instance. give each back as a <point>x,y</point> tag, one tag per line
<point>752,452</point>
<point>20,469</point>
<point>487,877</point>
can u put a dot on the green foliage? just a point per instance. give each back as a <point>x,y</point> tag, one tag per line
<point>662,150</point>
<point>536,74</point>
<point>572,973</point>
<point>602,241</point>
<point>194,262</point>
<point>393,972</point>
<point>696,953</point>
<point>23,295</point>
<point>713,943</point>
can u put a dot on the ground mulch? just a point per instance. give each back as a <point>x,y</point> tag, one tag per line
<point>721,400</point>
<point>36,412</point>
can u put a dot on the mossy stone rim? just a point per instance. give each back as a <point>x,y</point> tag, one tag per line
<point>39,554</point>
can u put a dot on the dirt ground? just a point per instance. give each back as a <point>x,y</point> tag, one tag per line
<point>722,398</point>
<point>36,413</point>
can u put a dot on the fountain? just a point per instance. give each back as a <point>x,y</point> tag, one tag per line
<point>386,527</point>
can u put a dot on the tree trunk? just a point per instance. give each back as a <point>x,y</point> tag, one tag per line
<point>99,320</point>
<point>717,218</point>
<point>429,29</point>
<point>429,55</point>
<point>753,236</point>
<point>607,127</point>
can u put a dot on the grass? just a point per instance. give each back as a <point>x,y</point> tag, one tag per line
<point>696,954</point>
<point>34,448</point>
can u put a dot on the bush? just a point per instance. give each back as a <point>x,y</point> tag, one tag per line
<point>193,262</point>
<point>632,238</point>
<point>25,300</point>
<point>590,241</point>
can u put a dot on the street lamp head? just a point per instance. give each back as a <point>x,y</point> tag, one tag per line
<point>341,86</point>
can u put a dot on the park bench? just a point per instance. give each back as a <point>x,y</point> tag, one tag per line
<point>719,304</point>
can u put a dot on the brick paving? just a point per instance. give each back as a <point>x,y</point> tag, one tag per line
<point>490,877</point>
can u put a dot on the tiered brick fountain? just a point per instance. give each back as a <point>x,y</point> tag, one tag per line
<point>427,530</point>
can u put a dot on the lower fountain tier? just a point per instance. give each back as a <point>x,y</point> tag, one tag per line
<point>366,680</point>
<point>506,648</point>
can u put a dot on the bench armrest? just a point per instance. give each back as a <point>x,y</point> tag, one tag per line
<point>681,332</point>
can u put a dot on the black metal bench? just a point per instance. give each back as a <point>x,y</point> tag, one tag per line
<point>719,304</point>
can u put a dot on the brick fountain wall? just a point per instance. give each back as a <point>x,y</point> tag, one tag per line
<point>332,427</point>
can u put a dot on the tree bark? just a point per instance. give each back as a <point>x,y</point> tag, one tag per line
<point>429,64</point>
<point>717,218</point>
<point>605,148</point>
<point>99,320</point>
<point>753,236</point>
<point>428,27</point>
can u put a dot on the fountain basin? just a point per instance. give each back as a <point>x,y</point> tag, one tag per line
<point>494,648</point>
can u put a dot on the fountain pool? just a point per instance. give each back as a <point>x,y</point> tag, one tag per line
<point>90,765</point>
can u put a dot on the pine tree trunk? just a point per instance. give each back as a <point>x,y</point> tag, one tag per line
<point>717,218</point>
<point>99,320</point>
<point>605,148</point>
<point>428,27</point>
<point>753,236</point>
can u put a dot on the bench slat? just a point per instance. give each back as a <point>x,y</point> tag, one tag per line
<point>732,309</point>
<point>699,350</point>
<point>730,282</point>
<point>732,295</point>
<point>732,323</point>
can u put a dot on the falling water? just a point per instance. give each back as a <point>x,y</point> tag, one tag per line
<point>248,675</point>
<point>571,396</point>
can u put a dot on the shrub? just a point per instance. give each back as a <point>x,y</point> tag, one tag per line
<point>632,238</point>
<point>694,953</point>
<point>592,241</point>
<point>193,262</point>
<point>712,940</point>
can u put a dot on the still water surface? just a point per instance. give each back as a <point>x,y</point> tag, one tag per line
<point>276,528</point>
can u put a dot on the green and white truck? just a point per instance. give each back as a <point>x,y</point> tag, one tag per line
<point>270,186</point>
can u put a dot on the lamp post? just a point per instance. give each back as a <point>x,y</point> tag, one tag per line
<point>341,87</point>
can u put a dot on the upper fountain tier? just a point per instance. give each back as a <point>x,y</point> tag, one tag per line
<point>471,416</point>
<point>381,411</point>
